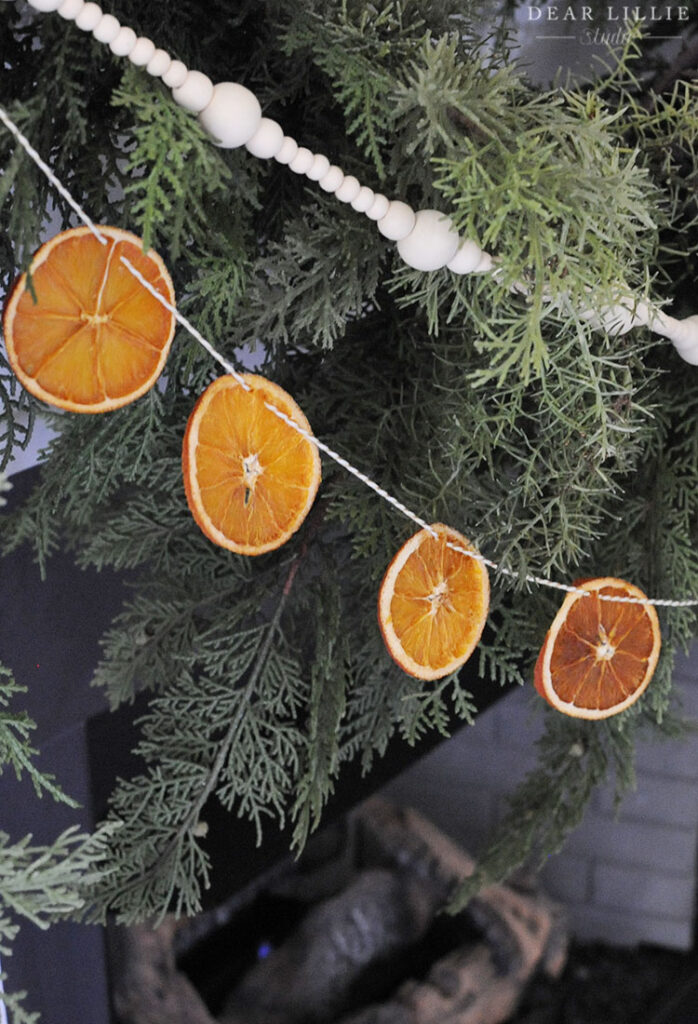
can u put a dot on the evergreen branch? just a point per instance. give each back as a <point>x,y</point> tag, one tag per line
<point>15,749</point>
<point>551,801</point>
<point>174,169</point>
<point>170,862</point>
<point>12,1002</point>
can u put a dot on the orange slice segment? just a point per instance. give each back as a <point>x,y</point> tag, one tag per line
<point>433,603</point>
<point>599,656</point>
<point>250,477</point>
<point>96,338</point>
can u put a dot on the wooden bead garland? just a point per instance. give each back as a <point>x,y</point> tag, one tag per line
<point>231,116</point>
<point>267,141</point>
<point>123,43</point>
<point>398,221</point>
<point>195,93</point>
<point>431,243</point>
<point>89,17</point>
<point>106,29</point>
<point>70,9</point>
<point>426,240</point>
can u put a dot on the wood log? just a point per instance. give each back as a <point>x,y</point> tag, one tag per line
<point>148,988</point>
<point>406,869</point>
<point>310,976</point>
<point>477,984</point>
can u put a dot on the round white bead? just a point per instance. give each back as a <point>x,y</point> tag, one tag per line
<point>348,190</point>
<point>432,242</point>
<point>378,208</point>
<point>124,42</point>
<point>332,180</point>
<point>142,52</point>
<point>70,9</point>
<point>319,168</point>
<point>45,5</point>
<point>195,93</point>
<point>175,74</point>
<point>232,116</point>
<point>288,151</point>
<point>107,28</point>
<point>466,259</point>
<point>686,340</point>
<point>158,63</point>
<point>89,17</point>
<point>485,265</point>
<point>615,320</point>
<point>363,200</point>
<point>301,161</point>
<point>267,140</point>
<point>398,221</point>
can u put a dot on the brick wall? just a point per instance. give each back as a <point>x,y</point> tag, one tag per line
<point>626,876</point>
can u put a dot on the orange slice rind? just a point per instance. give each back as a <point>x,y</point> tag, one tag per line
<point>433,603</point>
<point>249,476</point>
<point>599,656</point>
<point>96,338</point>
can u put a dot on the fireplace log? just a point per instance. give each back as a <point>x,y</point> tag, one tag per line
<point>521,924</point>
<point>480,983</point>
<point>310,976</point>
<point>148,988</point>
<point>354,948</point>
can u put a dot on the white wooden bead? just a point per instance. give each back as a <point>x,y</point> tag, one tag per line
<point>319,168</point>
<point>432,242</point>
<point>159,63</point>
<point>686,340</point>
<point>195,93</point>
<point>348,190</point>
<point>301,161</point>
<point>124,42</point>
<point>398,221</point>
<point>175,74</point>
<point>89,17</point>
<point>363,200</point>
<point>485,265</point>
<point>142,52</point>
<point>70,9</point>
<point>267,140</point>
<point>232,116</point>
<point>332,180</point>
<point>45,5</point>
<point>107,29</point>
<point>289,149</point>
<point>466,259</point>
<point>378,208</point>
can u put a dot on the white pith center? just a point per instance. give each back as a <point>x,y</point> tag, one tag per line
<point>251,471</point>
<point>438,597</point>
<point>94,318</point>
<point>605,649</point>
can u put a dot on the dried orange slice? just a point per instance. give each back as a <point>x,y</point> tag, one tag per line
<point>95,339</point>
<point>433,603</point>
<point>250,477</point>
<point>599,655</point>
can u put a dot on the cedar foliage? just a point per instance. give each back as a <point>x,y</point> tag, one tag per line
<point>558,449</point>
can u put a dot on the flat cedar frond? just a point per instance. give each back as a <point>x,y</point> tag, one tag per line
<point>16,417</point>
<point>173,167</point>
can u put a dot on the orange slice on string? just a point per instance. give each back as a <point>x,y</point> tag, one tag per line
<point>599,656</point>
<point>91,337</point>
<point>250,476</point>
<point>433,603</point>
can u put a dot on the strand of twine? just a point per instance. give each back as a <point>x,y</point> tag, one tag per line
<point>336,457</point>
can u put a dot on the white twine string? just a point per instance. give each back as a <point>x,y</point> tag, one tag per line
<point>325,448</point>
